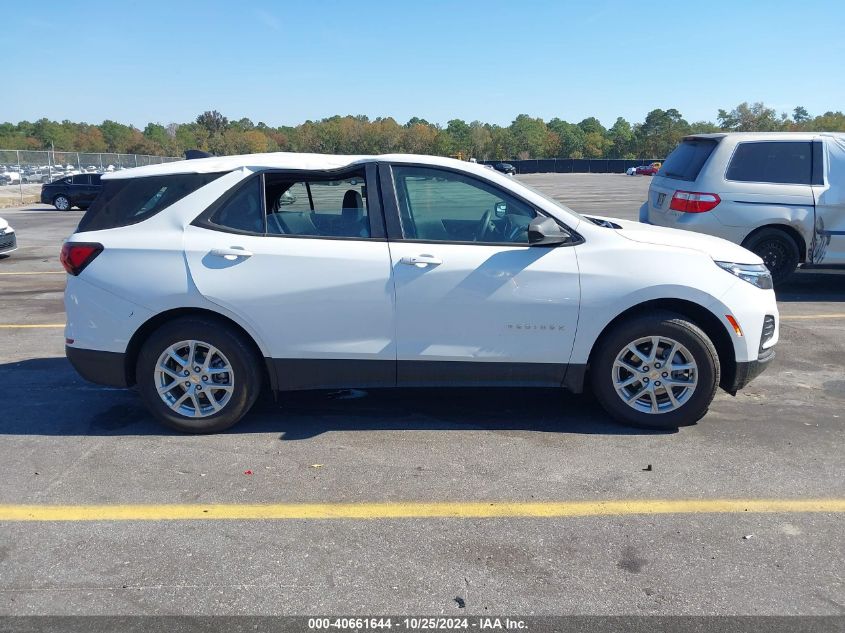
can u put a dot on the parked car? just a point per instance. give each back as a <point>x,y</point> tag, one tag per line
<point>647,170</point>
<point>779,194</point>
<point>203,280</point>
<point>78,190</point>
<point>10,178</point>
<point>8,240</point>
<point>505,168</point>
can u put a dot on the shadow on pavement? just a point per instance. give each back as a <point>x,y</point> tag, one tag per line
<point>44,396</point>
<point>814,284</point>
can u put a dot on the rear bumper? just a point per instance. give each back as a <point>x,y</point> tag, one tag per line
<point>102,368</point>
<point>749,370</point>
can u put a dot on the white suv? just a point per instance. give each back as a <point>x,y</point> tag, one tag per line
<point>202,281</point>
<point>779,194</point>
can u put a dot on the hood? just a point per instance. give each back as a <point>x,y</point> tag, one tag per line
<point>717,248</point>
<point>3,224</point>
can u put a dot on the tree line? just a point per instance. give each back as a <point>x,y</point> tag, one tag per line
<point>525,137</point>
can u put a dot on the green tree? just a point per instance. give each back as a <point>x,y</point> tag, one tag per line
<point>750,118</point>
<point>529,135</point>
<point>213,121</point>
<point>800,115</point>
<point>621,136</point>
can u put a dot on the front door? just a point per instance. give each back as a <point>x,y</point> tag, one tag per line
<point>475,304</point>
<point>307,272</point>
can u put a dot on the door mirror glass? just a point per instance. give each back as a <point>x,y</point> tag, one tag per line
<point>543,231</point>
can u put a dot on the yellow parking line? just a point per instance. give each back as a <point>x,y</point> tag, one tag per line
<point>413,510</point>
<point>30,326</point>
<point>36,272</point>
<point>811,317</point>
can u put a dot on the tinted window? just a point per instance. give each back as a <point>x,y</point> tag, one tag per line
<point>786,162</point>
<point>95,179</point>
<point>687,159</point>
<point>242,211</point>
<point>437,205</point>
<point>125,201</point>
<point>320,206</point>
<point>80,180</point>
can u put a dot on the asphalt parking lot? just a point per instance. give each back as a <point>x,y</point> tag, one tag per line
<point>776,448</point>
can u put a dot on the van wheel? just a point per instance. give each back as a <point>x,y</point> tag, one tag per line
<point>198,376</point>
<point>656,370</point>
<point>778,251</point>
<point>62,203</point>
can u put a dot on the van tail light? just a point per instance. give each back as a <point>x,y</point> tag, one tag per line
<point>694,202</point>
<point>77,255</point>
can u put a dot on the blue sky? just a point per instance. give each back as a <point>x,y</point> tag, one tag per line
<point>288,61</point>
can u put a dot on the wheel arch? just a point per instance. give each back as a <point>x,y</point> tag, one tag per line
<point>696,313</point>
<point>790,230</point>
<point>156,321</point>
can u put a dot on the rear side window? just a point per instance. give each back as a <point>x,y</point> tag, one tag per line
<point>781,162</point>
<point>687,159</point>
<point>243,210</point>
<point>126,201</point>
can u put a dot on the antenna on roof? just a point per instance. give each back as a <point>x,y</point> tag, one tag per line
<point>196,153</point>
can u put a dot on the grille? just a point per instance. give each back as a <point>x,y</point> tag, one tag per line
<point>768,330</point>
<point>7,241</point>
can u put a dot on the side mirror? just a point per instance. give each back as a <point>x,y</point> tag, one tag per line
<point>543,231</point>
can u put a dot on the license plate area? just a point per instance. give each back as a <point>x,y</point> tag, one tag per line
<point>659,199</point>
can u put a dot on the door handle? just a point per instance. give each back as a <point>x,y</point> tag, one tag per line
<point>230,253</point>
<point>421,260</point>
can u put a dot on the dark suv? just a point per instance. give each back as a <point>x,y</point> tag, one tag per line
<point>72,191</point>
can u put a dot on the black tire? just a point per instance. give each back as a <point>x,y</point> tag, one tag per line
<point>778,251</point>
<point>237,349</point>
<point>60,200</point>
<point>660,323</point>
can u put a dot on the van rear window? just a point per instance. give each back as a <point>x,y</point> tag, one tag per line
<point>687,159</point>
<point>126,201</point>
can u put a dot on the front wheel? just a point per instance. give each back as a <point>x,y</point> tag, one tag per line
<point>656,370</point>
<point>197,375</point>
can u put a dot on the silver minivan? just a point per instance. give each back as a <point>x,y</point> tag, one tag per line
<point>778,194</point>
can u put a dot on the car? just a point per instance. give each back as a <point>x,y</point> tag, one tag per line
<point>778,194</point>
<point>647,170</point>
<point>8,239</point>
<point>631,171</point>
<point>78,190</point>
<point>202,281</point>
<point>505,168</point>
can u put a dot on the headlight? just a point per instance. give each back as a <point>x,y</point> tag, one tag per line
<point>755,274</point>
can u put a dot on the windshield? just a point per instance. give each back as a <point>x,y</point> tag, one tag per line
<point>545,196</point>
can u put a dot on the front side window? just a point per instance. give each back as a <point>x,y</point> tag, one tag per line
<point>781,162</point>
<point>318,206</point>
<point>443,206</point>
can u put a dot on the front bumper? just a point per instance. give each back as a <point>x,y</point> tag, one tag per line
<point>102,368</point>
<point>8,242</point>
<point>747,371</point>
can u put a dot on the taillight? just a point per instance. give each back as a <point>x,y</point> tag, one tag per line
<point>77,255</point>
<point>694,202</point>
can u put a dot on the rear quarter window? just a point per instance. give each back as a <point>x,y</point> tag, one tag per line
<point>126,201</point>
<point>779,162</point>
<point>687,159</point>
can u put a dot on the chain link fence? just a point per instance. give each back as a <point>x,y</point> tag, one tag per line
<point>23,171</point>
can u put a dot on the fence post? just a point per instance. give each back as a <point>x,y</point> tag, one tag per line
<point>136,160</point>
<point>20,177</point>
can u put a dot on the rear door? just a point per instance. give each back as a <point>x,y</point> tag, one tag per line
<point>316,290</point>
<point>679,172</point>
<point>829,193</point>
<point>475,304</point>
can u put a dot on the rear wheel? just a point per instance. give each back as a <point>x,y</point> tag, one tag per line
<point>62,202</point>
<point>198,376</point>
<point>778,251</point>
<point>657,370</point>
